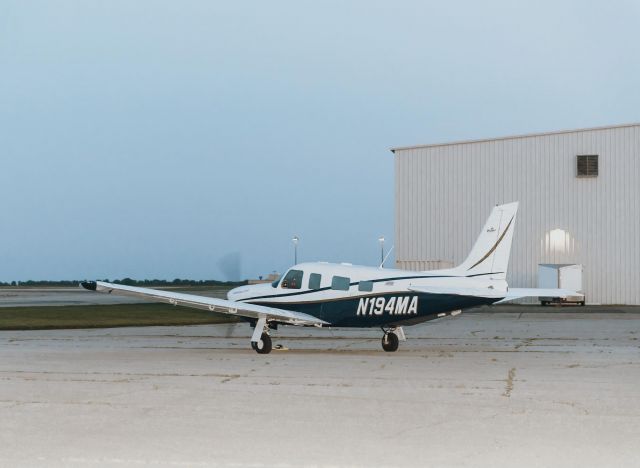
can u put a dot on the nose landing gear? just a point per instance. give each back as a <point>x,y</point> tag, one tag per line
<point>260,340</point>
<point>263,345</point>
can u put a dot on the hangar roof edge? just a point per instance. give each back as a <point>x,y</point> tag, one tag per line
<point>512,137</point>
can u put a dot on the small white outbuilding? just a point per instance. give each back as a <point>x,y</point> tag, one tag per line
<point>579,194</point>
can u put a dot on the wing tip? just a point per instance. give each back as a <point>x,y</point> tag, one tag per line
<point>89,285</point>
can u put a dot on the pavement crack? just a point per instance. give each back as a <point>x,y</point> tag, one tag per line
<point>508,388</point>
<point>525,342</point>
<point>230,377</point>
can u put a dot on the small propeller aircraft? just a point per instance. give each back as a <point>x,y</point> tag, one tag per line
<point>343,295</point>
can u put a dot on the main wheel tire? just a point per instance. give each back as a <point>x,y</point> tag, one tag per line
<point>390,342</point>
<point>264,345</point>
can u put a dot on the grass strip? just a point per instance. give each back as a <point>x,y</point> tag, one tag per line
<point>105,316</point>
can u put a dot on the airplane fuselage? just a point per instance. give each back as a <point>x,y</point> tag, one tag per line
<point>355,296</point>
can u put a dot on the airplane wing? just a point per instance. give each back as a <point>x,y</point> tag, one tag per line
<point>504,296</point>
<point>223,306</point>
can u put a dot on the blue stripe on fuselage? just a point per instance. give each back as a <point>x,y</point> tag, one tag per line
<point>344,312</point>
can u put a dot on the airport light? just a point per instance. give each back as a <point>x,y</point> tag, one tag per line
<point>381,240</point>
<point>295,241</point>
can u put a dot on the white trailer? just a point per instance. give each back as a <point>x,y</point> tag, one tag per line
<point>561,275</point>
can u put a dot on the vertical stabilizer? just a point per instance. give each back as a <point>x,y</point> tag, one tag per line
<point>490,253</point>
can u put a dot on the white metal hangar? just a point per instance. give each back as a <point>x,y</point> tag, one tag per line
<point>579,194</point>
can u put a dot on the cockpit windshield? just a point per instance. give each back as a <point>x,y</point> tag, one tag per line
<point>292,280</point>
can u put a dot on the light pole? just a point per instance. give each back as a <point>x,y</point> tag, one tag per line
<point>295,241</point>
<point>381,240</point>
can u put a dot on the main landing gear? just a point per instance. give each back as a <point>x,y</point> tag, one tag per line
<point>260,340</point>
<point>263,345</point>
<point>391,339</point>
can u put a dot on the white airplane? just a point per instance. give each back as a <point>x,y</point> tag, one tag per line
<point>344,295</point>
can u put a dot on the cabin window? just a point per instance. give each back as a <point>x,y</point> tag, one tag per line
<point>365,286</point>
<point>314,280</point>
<point>340,283</point>
<point>293,280</point>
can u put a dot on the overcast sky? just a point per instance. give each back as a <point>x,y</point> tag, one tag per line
<point>163,139</point>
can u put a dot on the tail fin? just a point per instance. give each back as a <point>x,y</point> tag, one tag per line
<point>490,253</point>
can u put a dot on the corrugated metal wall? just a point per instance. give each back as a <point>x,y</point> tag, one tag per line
<point>422,265</point>
<point>444,193</point>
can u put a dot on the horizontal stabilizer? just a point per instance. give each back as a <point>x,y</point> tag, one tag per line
<point>491,293</point>
<point>458,291</point>
<point>519,293</point>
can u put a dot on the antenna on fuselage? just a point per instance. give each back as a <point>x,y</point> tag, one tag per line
<point>386,256</point>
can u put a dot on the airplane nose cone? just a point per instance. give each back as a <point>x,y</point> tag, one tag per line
<point>235,293</point>
<point>250,290</point>
<point>232,293</point>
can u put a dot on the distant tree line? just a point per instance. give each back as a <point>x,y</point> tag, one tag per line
<point>130,282</point>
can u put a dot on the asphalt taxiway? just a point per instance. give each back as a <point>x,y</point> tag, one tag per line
<point>550,388</point>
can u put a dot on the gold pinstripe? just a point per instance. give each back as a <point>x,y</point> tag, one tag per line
<point>495,246</point>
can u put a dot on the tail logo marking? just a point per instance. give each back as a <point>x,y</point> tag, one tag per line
<point>495,246</point>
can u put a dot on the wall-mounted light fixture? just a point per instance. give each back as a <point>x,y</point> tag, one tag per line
<point>558,241</point>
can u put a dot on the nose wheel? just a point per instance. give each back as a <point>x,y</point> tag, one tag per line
<point>260,340</point>
<point>263,345</point>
